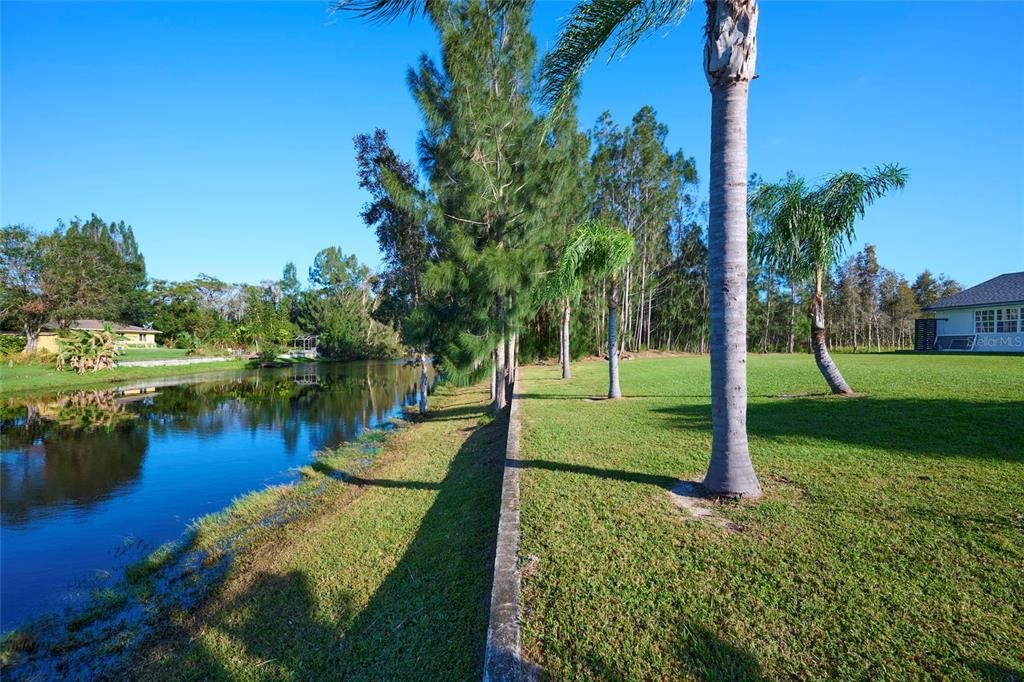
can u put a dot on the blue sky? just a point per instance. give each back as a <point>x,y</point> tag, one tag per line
<point>222,131</point>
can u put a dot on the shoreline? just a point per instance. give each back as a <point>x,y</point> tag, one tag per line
<point>402,476</point>
<point>30,380</point>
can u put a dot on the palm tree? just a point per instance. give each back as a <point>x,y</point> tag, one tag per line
<point>806,230</point>
<point>595,250</point>
<point>730,54</point>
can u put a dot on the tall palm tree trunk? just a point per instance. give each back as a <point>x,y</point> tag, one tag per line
<point>792,317</point>
<point>613,341</point>
<point>566,369</point>
<point>729,58</point>
<point>828,368</point>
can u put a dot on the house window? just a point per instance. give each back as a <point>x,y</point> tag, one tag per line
<point>1006,321</point>
<point>142,337</point>
<point>984,321</point>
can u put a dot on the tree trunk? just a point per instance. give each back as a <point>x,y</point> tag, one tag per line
<point>729,59</point>
<point>499,359</point>
<point>31,339</point>
<point>613,341</point>
<point>650,304</point>
<point>818,341</point>
<point>423,383</point>
<point>499,382</point>
<point>566,369</point>
<point>768,315</point>
<point>513,343</point>
<point>792,317</point>
<point>494,374</point>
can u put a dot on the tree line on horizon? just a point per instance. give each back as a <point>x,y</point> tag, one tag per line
<point>92,269</point>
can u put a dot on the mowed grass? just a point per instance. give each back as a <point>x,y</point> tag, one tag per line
<point>388,577</point>
<point>160,353</point>
<point>35,378</point>
<point>889,543</point>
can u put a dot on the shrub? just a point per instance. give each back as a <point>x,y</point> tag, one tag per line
<point>11,344</point>
<point>86,351</point>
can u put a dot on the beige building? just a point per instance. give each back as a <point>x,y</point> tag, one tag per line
<point>127,335</point>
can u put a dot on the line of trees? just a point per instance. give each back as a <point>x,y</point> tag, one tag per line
<point>510,195</point>
<point>94,269</point>
<point>83,269</point>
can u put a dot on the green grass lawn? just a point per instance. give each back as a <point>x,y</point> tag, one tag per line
<point>889,542</point>
<point>28,379</point>
<point>387,578</point>
<point>134,354</point>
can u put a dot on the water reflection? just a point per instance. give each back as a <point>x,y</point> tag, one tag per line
<point>86,469</point>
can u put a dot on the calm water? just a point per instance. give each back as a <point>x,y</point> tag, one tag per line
<point>92,480</point>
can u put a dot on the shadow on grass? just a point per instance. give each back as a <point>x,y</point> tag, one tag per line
<point>706,656</point>
<point>455,413</point>
<point>994,672</point>
<point>940,427</point>
<point>426,620</point>
<point>666,482</point>
<point>596,396</point>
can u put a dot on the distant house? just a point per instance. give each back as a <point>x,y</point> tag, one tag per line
<point>130,335</point>
<point>986,317</point>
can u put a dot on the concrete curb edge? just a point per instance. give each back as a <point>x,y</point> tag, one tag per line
<point>502,661</point>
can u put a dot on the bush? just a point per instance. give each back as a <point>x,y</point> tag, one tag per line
<point>86,351</point>
<point>11,344</point>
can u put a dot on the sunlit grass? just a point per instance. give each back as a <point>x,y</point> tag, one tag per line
<point>386,575</point>
<point>18,380</point>
<point>888,543</point>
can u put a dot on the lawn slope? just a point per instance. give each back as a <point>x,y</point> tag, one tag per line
<point>389,579</point>
<point>889,542</point>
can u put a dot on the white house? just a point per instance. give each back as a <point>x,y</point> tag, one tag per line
<point>987,317</point>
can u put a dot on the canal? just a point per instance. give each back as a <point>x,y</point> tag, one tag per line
<point>93,480</point>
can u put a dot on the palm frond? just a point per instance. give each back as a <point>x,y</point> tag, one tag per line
<point>381,11</point>
<point>593,24</point>
<point>594,249</point>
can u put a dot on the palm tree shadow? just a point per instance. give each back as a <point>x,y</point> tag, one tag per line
<point>707,656</point>
<point>666,482</point>
<point>930,427</point>
<point>429,616</point>
<point>427,619</point>
<point>994,672</point>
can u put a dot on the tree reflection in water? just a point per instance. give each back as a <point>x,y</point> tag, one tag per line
<point>77,449</point>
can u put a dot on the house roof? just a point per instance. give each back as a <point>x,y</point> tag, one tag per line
<point>97,325</point>
<point>1008,288</point>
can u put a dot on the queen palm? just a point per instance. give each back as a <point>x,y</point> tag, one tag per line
<point>595,250</point>
<point>730,53</point>
<point>805,231</point>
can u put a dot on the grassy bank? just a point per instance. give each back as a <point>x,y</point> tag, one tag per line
<point>889,542</point>
<point>388,578</point>
<point>159,353</point>
<point>26,379</point>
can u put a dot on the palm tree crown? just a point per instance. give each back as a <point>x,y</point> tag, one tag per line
<point>594,249</point>
<point>592,25</point>
<point>807,229</point>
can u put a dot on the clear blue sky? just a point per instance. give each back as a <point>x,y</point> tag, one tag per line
<point>222,131</point>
